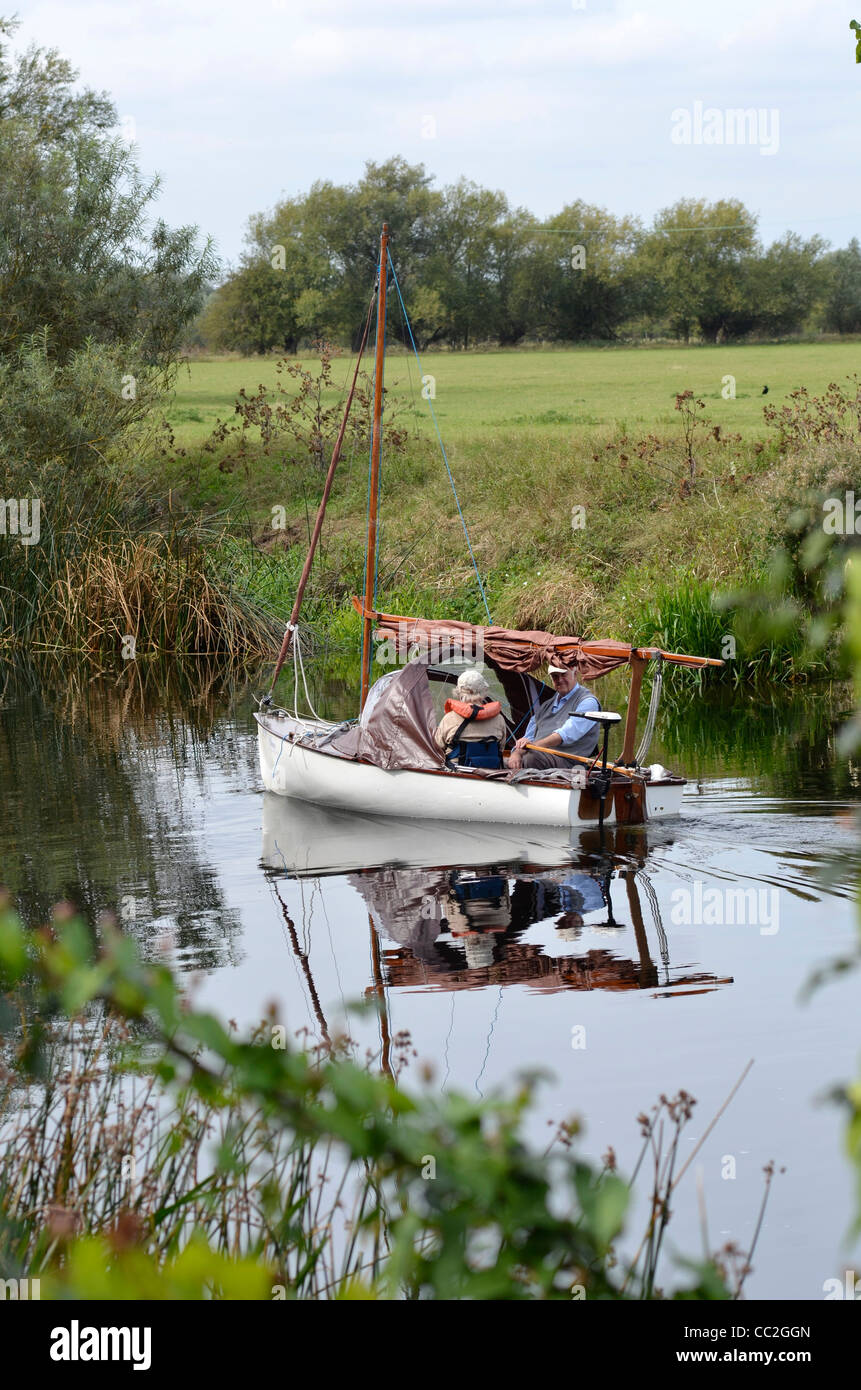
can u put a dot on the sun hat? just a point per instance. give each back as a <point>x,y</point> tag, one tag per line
<point>472,682</point>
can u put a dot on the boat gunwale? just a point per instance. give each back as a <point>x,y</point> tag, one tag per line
<point>673,780</point>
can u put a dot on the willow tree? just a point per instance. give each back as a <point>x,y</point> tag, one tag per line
<point>94,296</point>
<point>697,256</point>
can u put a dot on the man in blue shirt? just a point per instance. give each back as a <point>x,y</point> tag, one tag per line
<point>559,723</point>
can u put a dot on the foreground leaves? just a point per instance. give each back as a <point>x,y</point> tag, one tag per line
<point>450,1202</point>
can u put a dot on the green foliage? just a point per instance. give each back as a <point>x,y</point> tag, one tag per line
<point>95,1270</point>
<point>258,308</point>
<point>842,306</point>
<point>787,283</point>
<point>475,270</point>
<point>70,414</point>
<point>91,297</point>
<point>491,1220</point>
<point>463,269</point>
<point>695,258</point>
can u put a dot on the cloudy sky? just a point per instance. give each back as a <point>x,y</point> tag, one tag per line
<point>237,105</point>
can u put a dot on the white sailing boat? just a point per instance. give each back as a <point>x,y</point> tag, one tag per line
<point>386,763</point>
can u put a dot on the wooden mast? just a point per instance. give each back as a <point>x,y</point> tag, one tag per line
<point>321,510</point>
<point>380,992</point>
<point>374,483</point>
<point>648,969</point>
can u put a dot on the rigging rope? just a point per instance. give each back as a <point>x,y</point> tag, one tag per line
<point>442,447</point>
<point>641,877</point>
<point>299,661</point>
<point>299,670</point>
<point>640,755</point>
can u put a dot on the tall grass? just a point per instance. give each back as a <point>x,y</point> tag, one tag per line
<point>686,615</point>
<point>91,1148</point>
<point>115,576</point>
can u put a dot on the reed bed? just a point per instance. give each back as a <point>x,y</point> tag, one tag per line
<point>167,597</point>
<point>93,1148</point>
<point>116,576</point>
<point>96,1148</point>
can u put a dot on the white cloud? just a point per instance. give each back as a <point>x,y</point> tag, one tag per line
<point>238,105</point>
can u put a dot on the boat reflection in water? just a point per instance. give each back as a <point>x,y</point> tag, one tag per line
<point>450,906</point>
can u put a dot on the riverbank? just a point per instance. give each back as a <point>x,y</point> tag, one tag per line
<point>648,535</point>
<point>655,530</point>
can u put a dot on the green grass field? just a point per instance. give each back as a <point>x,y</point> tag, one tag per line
<point>559,391</point>
<point>534,436</point>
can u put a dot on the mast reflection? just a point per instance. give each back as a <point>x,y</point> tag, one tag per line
<point>464,927</point>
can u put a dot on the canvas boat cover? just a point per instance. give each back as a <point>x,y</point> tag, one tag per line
<point>397,725</point>
<point>396,731</point>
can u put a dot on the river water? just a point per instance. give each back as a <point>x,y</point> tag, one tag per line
<point>664,958</point>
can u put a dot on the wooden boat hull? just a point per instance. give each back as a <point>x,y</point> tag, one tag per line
<point>293,769</point>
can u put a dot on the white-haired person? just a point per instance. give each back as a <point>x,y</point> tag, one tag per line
<point>558,724</point>
<point>472,731</point>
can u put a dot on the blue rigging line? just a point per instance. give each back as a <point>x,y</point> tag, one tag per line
<point>442,447</point>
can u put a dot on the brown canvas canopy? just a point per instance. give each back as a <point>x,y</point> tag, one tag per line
<point>397,724</point>
<point>515,654</point>
<point>503,647</point>
<point>513,650</point>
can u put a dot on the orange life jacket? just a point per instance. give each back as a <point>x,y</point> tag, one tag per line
<point>464,709</point>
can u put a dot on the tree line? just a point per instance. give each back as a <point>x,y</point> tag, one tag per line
<point>474,270</point>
